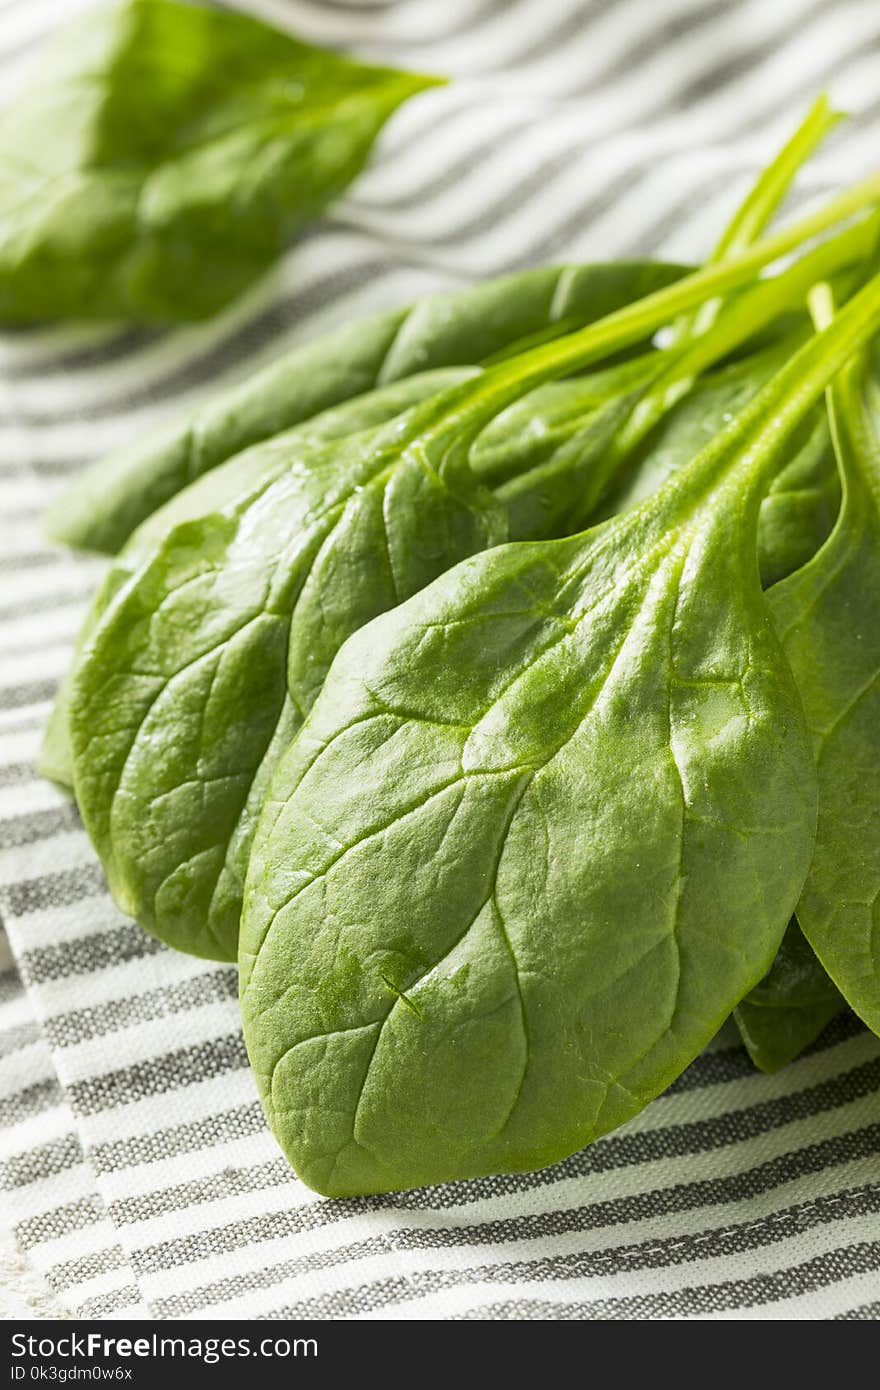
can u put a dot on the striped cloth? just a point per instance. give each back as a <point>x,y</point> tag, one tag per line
<point>140,1176</point>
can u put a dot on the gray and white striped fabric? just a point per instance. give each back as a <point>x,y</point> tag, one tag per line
<point>136,1166</point>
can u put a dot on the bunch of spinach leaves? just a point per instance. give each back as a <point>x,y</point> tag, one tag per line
<point>471,792</point>
<point>543,828</point>
<point>220,619</point>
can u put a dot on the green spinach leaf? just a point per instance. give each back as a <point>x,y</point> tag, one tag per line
<point>803,499</point>
<point>790,1007</point>
<point>826,615</point>
<point>187,648</point>
<point>544,827</point>
<point>233,485</point>
<point>165,154</point>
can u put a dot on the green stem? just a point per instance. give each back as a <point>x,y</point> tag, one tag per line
<point>761,203</point>
<point>775,181</point>
<point>460,414</point>
<point>762,428</point>
<point>564,490</point>
<point>748,314</point>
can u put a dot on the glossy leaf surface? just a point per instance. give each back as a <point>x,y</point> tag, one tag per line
<point>828,618</point>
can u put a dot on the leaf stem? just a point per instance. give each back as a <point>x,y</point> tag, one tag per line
<point>460,414</point>
<point>762,428</point>
<point>595,455</point>
<point>762,202</point>
<point>748,314</point>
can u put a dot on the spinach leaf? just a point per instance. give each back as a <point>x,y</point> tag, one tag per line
<point>802,501</point>
<point>544,827</point>
<point>240,480</point>
<point>826,616</point>
<point>456,328</point>
<point>187,647</point>
<point>790,1007</point>
<point>164,155</point>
